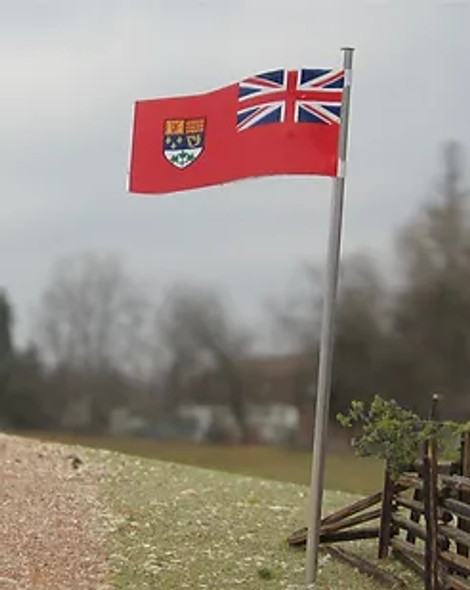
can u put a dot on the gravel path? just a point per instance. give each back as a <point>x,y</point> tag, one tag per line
<point>52,526</point>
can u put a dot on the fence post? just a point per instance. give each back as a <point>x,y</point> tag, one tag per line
<point>385,532</point>
<point>431,574</point>
<point>462,523</point>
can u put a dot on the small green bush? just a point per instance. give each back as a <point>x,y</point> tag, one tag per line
<point>396,434</point>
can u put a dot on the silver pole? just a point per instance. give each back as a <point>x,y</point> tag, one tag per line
<point>327,334</point>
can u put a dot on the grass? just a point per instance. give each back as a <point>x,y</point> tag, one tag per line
<point>344,471</point>
<point>177,527</point>
<point>173,526</point>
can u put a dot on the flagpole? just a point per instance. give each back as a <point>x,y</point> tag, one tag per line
<point>327,333</point>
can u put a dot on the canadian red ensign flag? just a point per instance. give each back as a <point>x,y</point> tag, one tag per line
<point>275,123</point>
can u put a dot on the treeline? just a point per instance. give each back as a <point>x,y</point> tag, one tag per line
<point>101,343</point>
<point>405,334</point>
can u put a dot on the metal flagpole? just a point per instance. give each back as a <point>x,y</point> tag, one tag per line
<point>327,333</point>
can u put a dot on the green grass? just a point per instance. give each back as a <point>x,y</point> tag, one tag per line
<point>177,527</point>
<point>344,471</point>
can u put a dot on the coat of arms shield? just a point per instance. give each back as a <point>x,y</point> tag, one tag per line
<point>183,141</point>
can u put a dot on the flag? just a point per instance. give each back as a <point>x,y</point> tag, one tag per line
<point>280,122</point>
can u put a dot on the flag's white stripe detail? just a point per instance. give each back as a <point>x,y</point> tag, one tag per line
<point>262,112</point>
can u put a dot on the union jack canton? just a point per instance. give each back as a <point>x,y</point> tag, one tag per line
<point>300,96</point>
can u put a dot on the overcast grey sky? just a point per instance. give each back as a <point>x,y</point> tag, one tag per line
<point>70,72</point>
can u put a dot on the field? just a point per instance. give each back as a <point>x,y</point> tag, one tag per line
<point>173,526</point>
<point>181,527</point>
<point>344,471</point>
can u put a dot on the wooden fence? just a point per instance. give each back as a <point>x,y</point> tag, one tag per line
<point>429,528</point>
<point>422,518</point>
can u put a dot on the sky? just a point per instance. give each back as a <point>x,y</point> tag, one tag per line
<point>71,72</point>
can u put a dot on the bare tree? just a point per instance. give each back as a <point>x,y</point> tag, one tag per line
<point>200,335</point>
<point>359,332</point>
<point>91,329</point>
<point>295,319</point>
<point>93,315</point>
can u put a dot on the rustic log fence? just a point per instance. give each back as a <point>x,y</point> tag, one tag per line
<point>422,518</point>
<point>429,530</point>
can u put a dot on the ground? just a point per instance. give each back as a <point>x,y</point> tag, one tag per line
<point>52,523</point>
<point>148,524</point>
